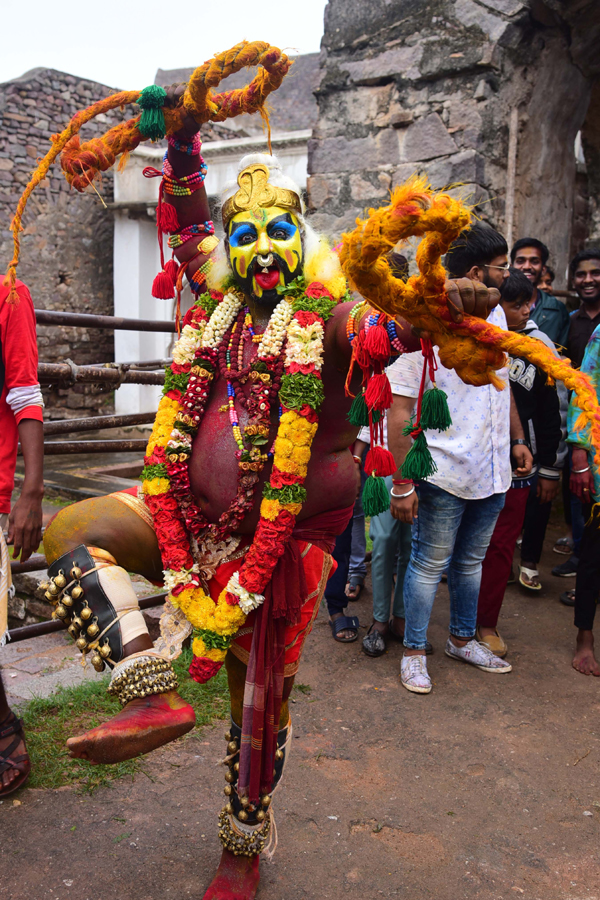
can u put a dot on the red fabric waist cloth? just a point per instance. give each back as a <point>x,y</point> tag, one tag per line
<point>272,639</point>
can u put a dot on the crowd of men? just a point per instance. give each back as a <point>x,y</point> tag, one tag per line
<point>499,469</point>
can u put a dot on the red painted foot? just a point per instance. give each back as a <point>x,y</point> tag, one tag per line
<point>236,879</point>
<point>141,726</point>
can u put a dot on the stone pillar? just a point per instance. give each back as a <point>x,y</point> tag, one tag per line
<point>429,87</point>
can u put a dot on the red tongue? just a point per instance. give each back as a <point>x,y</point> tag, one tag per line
<point>267,280</point>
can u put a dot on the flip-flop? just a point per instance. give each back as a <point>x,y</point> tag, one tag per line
<point>344,623</point>
<point>564,546</point>
<point>529,573</point>
<point>568,597</point>
<point>354,587</point>
<point>8,759</point>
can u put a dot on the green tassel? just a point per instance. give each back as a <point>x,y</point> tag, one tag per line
<point>435,414</point>
<point>375,497</point>
<point>419,463</point>
<point>152,123</point>
<point>359,412</point>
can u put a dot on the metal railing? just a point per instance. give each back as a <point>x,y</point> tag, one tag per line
<point>112,375</point>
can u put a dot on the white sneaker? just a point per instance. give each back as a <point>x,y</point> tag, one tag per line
<point>478,655</point>
<point>413,674</point>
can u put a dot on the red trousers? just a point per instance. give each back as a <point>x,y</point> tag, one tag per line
<point>499,557</point>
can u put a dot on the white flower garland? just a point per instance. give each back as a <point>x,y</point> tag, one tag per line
<point>275,332</point>
<point>221,320</point>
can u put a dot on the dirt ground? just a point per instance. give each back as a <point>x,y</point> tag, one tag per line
<point>486,788</point>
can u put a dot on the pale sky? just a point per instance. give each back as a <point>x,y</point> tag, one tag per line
<point>121,43</point>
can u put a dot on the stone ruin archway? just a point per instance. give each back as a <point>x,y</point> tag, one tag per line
<point>488,94</point>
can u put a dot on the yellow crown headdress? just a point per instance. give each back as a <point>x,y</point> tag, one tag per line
<point>256,193</point>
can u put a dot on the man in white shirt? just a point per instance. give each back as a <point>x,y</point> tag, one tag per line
<point>454,512</point>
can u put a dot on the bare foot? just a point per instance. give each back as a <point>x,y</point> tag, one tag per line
<point>584,660</point>
<point>236,879</point>
<point>141,726</point>
<point>14,760</point>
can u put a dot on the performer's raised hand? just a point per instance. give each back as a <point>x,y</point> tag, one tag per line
<point>174,94</point>
<point>471,297</point>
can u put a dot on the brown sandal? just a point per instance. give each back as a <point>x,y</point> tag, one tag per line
<point>8,759</point>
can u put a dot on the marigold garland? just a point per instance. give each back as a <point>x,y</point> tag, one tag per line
<point>295,333</point>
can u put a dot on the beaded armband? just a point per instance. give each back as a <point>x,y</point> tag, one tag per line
<point>353,318</point>
<point>192,148</point>
<point>187,184</point>
<point>395,341</point>
<point>142,676</point>
<point>187,234</point>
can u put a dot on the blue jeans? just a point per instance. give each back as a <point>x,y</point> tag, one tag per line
<point>449,534</point>
<point>391,552</point>
<point>357,569</point>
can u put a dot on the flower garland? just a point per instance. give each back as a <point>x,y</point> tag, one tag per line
<point>294,334</point>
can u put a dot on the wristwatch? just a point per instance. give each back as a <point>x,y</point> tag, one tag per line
<point>519,441</point>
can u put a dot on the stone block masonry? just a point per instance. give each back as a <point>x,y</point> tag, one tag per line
<point>428,86</point>
<point>67,242</point>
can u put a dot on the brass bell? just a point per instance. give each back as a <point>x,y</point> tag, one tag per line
<point>77,592</point>
<point>242,815</point>
<point>260,815</point>
<point>53,589</point>
<point>81,644</point>
<point>266,800</point>
<point>229,809</point>
<point>245,801</point>
<point>227,735</point>
<point>77,622</point>
<point>86,613</point>
<point>76,573</point>
<point>236,767</point>
<point>67,600</point>
<point>97,662</point>
<point>61,611</point>
<point>232,747</point>
<point>60,581</point>
<point>93,629</point>
<point>73,630</point>
<point>44,585</point>
<point>228,790</point>
<point>229,777</point>
<point>50,597</point>
<point>278,754</point>
<point>105,651</point>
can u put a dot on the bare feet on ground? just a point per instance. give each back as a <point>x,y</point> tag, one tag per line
<point>141,726</point>
<point>584,660</point>
<point>236,878</point>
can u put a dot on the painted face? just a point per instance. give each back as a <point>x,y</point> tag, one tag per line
<point>265,251</point>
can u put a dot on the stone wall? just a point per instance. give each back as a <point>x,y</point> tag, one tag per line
<point>429,86</point>
<point>67,242</point>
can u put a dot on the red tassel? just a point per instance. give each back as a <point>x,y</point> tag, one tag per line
<point>380,462</point>
<point>171,269</point>
<point>361,357</point>
<point>378,394</point>
<point>166,216</point>
<point>163,287</point>
<point>377,343</point>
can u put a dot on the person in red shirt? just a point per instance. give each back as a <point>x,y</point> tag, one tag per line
<point>21,419</point>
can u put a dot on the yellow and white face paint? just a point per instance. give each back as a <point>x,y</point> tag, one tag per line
<point>265,250</point>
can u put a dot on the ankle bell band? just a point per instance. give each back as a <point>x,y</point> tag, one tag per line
<point>240,839</point>
<point>141,676</point>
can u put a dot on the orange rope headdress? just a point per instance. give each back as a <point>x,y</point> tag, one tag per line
<point>474,348</point>
<point>81,163</point>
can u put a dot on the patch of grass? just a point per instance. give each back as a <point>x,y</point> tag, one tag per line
<point>303,688</point>
<point>73,710</point>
